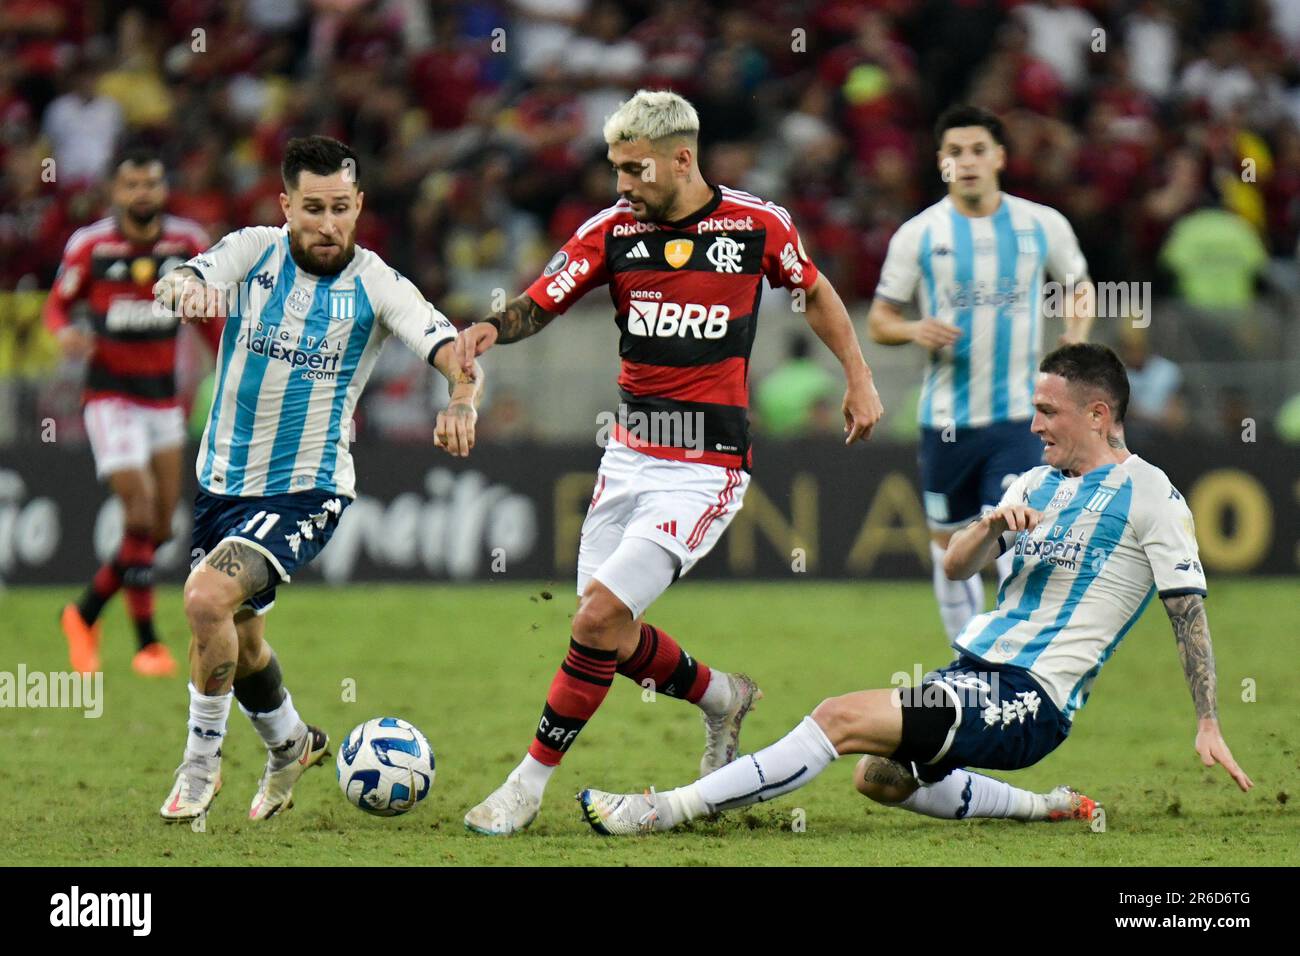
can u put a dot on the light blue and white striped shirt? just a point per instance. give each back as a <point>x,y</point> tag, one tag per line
<point>986,276</point>
<point>1107,542</point>
<point>295,355</point>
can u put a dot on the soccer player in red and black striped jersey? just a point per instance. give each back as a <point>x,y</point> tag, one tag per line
<point>685,262</point>
<point>102,309</point>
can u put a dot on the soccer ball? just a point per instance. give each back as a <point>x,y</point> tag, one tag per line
<point>385,766</point>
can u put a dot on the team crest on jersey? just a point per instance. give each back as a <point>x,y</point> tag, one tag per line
<point>299,301</point>
<point>343,304</point>
<point>1100,499</point>
<point>1026,242</point>
<point>725,253</point>
<point>678,252</point>
<point>144,270</point>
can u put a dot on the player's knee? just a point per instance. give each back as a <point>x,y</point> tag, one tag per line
<point>598,620</point>
<point>836,717</point>
<point>209,600</point>
<point>873,779</point>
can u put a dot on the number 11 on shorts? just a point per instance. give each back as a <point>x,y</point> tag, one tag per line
<point>267,524</point>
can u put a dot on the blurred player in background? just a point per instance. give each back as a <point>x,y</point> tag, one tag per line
<point>1094,534</point>
<point>102,309</point>
<point>309,312</point>
<point>685,261</point>
<point>979,259</point>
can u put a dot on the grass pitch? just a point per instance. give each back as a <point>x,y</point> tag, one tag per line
<point>470,666</point>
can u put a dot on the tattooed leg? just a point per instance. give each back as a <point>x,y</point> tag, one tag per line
<point>884,780</point>
<point>231,574</point>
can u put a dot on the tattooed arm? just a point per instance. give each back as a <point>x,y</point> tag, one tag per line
<point>520,318</point>
<point>1192,633</point>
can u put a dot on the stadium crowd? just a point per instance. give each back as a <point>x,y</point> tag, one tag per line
<point>1168,131</point>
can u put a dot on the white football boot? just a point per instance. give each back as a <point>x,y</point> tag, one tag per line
<point>722,732</point>
<point>624,814</point>
<point>1066,803</point>
<point>508,809</point>
<point>275,789</point>
<point>198,781</point>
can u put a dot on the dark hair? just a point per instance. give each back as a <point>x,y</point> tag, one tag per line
<point>137,154</point>
<point>963,114</point>
<point>1095,365</point>
<point>316,154</point>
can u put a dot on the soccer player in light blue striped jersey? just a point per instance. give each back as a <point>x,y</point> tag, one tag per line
<point>977,262</point>
<point>1095,534</point>
<point>307,312</point>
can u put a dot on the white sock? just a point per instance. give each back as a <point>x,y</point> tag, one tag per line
<point>962,795</point>
<point>275,727</point>
<point>959,601</point>
<point>1003,564</point>
<point>717,696</point>
<point>786,765</point>
<point>207,728</point>
<point>533,774</point>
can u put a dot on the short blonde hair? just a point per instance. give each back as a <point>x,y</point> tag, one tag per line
<point>653,115</point>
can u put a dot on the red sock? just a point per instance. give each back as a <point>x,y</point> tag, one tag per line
<point>136,560</point>
<point>579,686</point>
<point>660,659</point>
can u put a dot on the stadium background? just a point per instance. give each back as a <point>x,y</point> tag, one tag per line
<point>1168,132</point>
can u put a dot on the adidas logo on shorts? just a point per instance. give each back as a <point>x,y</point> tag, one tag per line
<point>668,527</point>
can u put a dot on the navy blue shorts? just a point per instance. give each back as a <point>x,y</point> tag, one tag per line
<point>1005,720</point>
<point>289,529</point>
<point>959,477</point>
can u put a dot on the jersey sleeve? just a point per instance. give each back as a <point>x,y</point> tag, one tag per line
<point>902,269</point>
<point>1167,535</point>
<point>234,254</point>
<point>1065,261</point>
<point>403,311</point>
<point>69,284</point>
<point>574,271</point>
<point>785,263</point>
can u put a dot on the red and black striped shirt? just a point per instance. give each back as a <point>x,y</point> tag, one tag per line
<point>135,345</point>
<point>686,297</point>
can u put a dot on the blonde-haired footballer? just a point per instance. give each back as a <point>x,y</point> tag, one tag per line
<point>685,261</point>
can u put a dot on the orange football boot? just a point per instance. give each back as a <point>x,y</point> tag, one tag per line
<point>154,660</point>
<point>83,640</point>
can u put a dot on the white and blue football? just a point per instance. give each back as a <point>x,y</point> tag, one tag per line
<point>385,766</point>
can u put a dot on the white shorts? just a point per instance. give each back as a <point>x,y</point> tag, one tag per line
<point>125,435</point>
<point>681,506</point>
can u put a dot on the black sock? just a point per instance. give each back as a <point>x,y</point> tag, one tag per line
<point>261,691</point>
<point>144,633</point>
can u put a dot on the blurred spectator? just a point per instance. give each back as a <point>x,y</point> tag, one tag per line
<point>1155,402</point>
<point>1061,33</point>
<point>1151,39</point>
<point>787,401</point>
<point>83,128</point>
<point>1216,256</point>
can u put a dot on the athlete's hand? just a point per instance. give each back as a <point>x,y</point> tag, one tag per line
<point>862,410</point>
<point>76,342</point>
<point>1011,518</point>
<point>455,429</point>
<point>933,335</point>
<point>1210,747</point>
<point>473,342</point>
<point>189,297</point>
